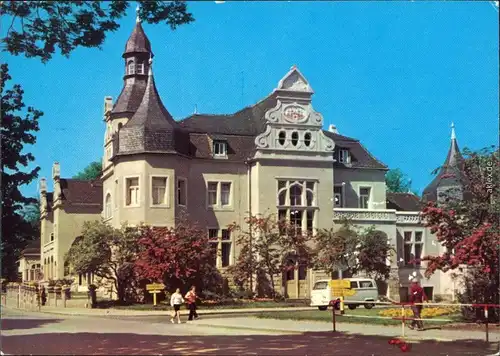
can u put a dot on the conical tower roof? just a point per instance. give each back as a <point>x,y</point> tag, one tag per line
<point>151,128</point>
<point>138,42</point>
<point>451,172</point>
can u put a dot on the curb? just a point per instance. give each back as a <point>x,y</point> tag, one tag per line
<point>239,327</point>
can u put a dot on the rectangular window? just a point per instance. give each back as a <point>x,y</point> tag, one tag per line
<point>296,221</point>
<point>310,220</point>
<point>225,191</point>
<point>159,190</point>
<point>140,68</point>
<point>407,235</point>
<point>338,196</point>
<point>418,236</point>
<point>343,156</point>
<point>52,236</point>
<point>364,198</point>
<point>407,252</point>
<point>226,248</point>
<point>220,149</point>
<point>132,191</point>
<point>131,68</point>
<point>214,244</point>
<point>418,253</point>
<point>181,192</point>
<point>212,193</point>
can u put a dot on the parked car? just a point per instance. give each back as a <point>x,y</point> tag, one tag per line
<point>365,291</point>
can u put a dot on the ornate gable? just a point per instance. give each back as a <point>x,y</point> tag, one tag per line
<point>293,127</point>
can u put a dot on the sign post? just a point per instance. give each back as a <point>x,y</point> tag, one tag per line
<point>154,289</point>
<point>341,288</point>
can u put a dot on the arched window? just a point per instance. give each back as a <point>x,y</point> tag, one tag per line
<point>295,138</point>
<point>108,211</point>
<point>307,139</point>
<point>130,68</point>
<point>297,203</point>
<point>282,138</point>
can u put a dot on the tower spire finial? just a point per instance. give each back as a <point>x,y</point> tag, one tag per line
<point>137,9</point>
<point>453,136</point>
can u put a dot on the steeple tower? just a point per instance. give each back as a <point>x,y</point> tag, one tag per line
<point>136,55</point>
<point>449,180</point>
<point>151,128</point>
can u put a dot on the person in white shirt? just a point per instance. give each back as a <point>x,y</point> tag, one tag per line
<point>176,301</point>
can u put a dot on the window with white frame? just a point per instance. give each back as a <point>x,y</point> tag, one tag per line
<point>132,191</point>
<point>220,149</point>
<point>343,156</point>
<point>181,191</point>
<point>140,68</point>
<point>221,246</point>
<point>297,203</point>
<point>338,196</point>
<point>219,194</point>
<point>364,197</point>
<point>413,247</point>
<point>108,209</point>
<point>159,190</point>
<point>131,68</point>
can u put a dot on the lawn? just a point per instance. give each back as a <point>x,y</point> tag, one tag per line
<point>358,316</point>
<point>236,304</point>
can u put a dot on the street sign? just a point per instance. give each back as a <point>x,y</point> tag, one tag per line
<point>155,286</point>
<point>343,292</point>
<point>340,283</point>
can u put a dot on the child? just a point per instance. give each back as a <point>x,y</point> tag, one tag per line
<point>176,300</point>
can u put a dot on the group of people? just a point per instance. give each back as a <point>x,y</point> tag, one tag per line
<point>176,300</point>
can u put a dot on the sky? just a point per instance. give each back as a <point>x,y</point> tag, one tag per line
<point>394,75</point>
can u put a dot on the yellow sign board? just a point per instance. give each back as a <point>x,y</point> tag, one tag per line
<point>343,292</point>
<point>155,286</point>
<point>340,283</point>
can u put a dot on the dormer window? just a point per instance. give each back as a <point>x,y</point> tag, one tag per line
<point>343,156</point>
<point>131,68</point>
<point>140,68</point>
<point>220,149</point>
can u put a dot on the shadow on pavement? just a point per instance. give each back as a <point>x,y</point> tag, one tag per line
<point>317,343</point>
<point>20,324</point>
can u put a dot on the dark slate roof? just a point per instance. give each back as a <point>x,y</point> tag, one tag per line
<point>449,175</point>
<point>33,248</point>
<point>403,201</point>
<point>241,128</point>
<point>82,196</point>
<point>130,97</point>
<point>151,128</point>
<point>138,42</point>
<point>360,156</point>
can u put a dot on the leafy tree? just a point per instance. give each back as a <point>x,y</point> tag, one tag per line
<point>397,182</point>
<point>106,252</point>
<point>469,228</point>
<point>91,172</point>
<point>353,252</point>
<point>18,128</point>
<point>264,245</point>
<point>31,214</point>
<point>178,256</point>
<point>36,28</point>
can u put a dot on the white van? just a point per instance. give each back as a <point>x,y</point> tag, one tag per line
<point>365,291</point>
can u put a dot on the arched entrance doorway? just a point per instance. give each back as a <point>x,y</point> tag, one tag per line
<point>295,281</point>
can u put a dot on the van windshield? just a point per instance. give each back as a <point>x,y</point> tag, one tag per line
<point>320,285</point>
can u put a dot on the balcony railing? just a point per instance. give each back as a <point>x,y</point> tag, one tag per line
<point>382,215</point>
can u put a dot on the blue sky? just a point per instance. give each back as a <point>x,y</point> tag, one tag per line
<point>392,74</point>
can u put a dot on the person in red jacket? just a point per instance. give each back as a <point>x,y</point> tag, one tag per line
<point>417,295</point>
<point>191,301</point>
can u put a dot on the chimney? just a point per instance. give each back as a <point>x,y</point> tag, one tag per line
<point>56,171</point>
<point>108,104</point>
<point>43,186</point>
<point>333,128</point>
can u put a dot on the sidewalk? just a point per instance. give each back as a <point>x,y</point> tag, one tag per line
<point>131,313</point>
<point>293,326</point>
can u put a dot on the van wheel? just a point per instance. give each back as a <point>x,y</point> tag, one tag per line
<point>323,308</point>
<point>369,305</point>
<point>352,306</point>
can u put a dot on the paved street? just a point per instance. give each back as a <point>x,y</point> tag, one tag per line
<point>41,334</point>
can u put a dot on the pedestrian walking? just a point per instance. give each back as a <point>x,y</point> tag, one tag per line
<point>176,301</point>
<point>191,301</point>
<point>417,295</point>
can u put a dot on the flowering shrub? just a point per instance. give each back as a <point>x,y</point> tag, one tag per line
<point>429,312</point>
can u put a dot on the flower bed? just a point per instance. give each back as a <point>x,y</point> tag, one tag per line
<point>427,312</point>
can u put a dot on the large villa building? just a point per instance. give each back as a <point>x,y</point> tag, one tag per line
<point>273,157</point>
